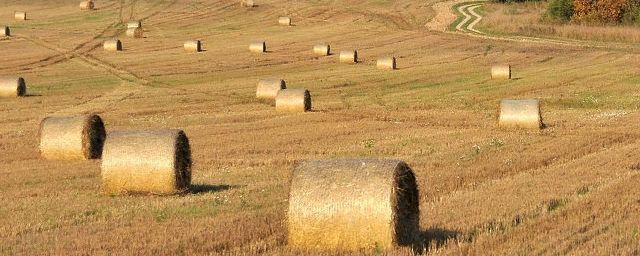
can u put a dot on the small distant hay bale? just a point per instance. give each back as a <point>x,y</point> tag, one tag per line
<point>20,15</point>
<point>268,88</point>
<point>6,31</point>
<point>193,46</point>
<point>258,47</point>
<point>353,205</point>
<point>247,3</point>
<point>134,32</point>
<point>322,49</point>
<point>12,87</point>
<point>349,56</point>
<point>284,21</point>
<point>520,114</point>
<point>386,63</point>
<point>147,162</point>
<point>293,100</point>
<point>134,24</point>
<point>72,137</point>
<point>113,45</point>
<point>501,72</point>
<point>87,5</point>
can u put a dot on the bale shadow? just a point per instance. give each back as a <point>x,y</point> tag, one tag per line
<point>434,238</point>
<point>32,95</point>
<point>207,188</point>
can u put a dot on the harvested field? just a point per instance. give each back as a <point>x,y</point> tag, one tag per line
<point>571,188</point>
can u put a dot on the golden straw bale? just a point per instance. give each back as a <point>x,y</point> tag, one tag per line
<point>501,72</point>
<point>134,24</point>
<point>322,49</point>
<point>293,100</point>
<point>193,46</point>
<point>349,56</point>
<point>258,47</point>
<point>6,31</point>
<point>269,88</point>
<point>247,3</point>
<point>520,114</point>
<point>151,162</point>
<point>386,63</point>
<point>12,87</point>
<point>134,32</point>
<point>87,5</point>
<point>112,45</point>
<point>20,15</point>
<point>72,137</point>
<point>353,204</point>
<point>284,21</point>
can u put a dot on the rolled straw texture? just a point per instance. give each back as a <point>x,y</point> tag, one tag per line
<point>293,100</point>
<point>72,137</point>
<point>134,24</point>
<point>87,5</point>
<point>193,46</point>
<point>268,88</point>
<point>501,72</point>
<point>350,57</point>
<point>12,87</point>
<point>322,49</point>
<point>20,15</point>
<point>353,204</point>
<point>6,31</point>
<point>520,114</point>
<point>148,162</point>
<point>386,63</point>
<point>284,21</point>
<point>112,45</point>
<point>258,47</point>
<point>134,32</point>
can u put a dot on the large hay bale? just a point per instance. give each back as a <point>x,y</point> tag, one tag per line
<point>322,49</point>
<point>284,21</point>
<point>152,162</point>
<point>134,24</point>
<point>20,15</point>
<point>134,32</point>
<point>293,100</point>
<point>520,114</point>
<point>72,137</point>
<point>112,45</point>
<point>258,47</point>
<point>353,204</point>
<point>193,46</point>
<point>350,56</point>
<point>12,87</point>
<point>247,3</point>
<point>386,63</point>
<point>268,88</point>
<point>501,72</point>
<point>87,5</point>
<point>6,31</point>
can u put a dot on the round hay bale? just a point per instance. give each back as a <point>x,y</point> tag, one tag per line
<point>258,47</point>
<point>349,56</point>
<point>6,31</point>
<point>293,100</point>
<point>353,204</point>
<point>149,162</point>
<point>134,32</point>
<point>386,63</point>
<point>501,72</point>
<point>87,5</point>
<point>322,49</point>
<point>134,24</point>
<point>72,137</point>
<point>193,46</point>
<point>268,88</point>
<point>12,87</point>
<point>247,3</point>
<point>20,15</point>
<point>284,21</point>
<point>520,114</point>
<point>112,45</point>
